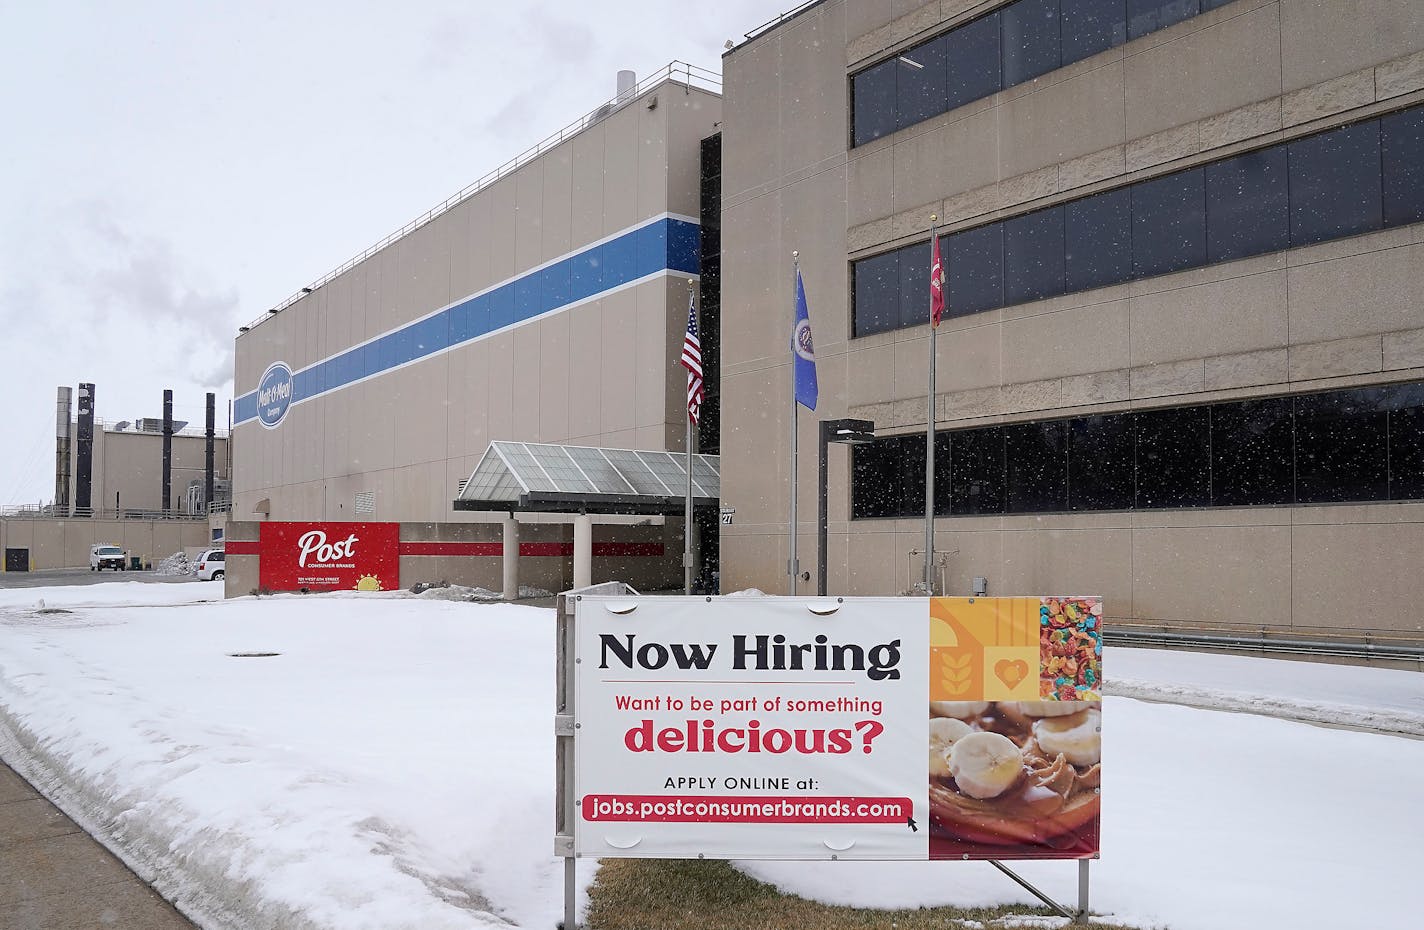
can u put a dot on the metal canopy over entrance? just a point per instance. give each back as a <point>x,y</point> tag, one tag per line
<point>528,476</point>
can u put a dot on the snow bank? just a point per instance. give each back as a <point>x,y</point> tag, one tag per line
<point>175,564</point>
<point>1386,700</point>
<point>1210,821</point>
<point>391,767</point>
<point>113,594</point>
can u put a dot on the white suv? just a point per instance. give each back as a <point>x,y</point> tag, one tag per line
<point>102,557</point>
<point>210,565</point>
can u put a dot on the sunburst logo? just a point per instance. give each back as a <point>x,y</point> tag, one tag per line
<point>368,583</point>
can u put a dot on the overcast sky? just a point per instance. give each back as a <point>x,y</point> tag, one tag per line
<point>169,170</point>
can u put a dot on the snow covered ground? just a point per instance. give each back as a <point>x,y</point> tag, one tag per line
<point>391,767</point>
<point>1389,700</point>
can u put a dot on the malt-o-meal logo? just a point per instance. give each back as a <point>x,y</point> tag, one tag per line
<point>274,395</point>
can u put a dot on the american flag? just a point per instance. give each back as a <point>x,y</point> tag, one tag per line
<point>692,361</point>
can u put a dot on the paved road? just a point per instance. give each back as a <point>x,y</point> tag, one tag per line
<point>53,876</point>
<point>79,576</point>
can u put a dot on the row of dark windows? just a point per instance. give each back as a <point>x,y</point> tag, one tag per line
<point>1361,177</point>
<point>1014,44</point>
<point>1365,444</point>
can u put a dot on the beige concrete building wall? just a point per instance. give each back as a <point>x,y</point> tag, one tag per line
<point>129,463</point>
<point>1337,314</point>
<point>597,373</point>
<point>56,543</point>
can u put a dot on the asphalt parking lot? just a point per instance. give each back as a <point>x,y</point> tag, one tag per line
<point>81,576</point>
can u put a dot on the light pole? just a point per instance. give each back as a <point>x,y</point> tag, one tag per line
<point>850,432</point>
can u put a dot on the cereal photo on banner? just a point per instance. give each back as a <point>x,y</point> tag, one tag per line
<point>1015,727</point>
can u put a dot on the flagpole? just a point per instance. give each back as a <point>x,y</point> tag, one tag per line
<point>687,507</point>
<point>930,430</point>
<point>791,567</point>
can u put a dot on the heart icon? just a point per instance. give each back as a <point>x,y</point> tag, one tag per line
<point>1011,671</point>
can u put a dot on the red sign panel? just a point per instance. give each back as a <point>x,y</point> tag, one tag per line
<point>329,556</point>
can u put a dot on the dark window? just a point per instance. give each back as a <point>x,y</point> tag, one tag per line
<point>1033,256</point>
<point>1402,156</point>
<point>942,464</point>
<point>1335,183</point>
<point>1100,463</point>
<point>1031,44</point>
<point>1340,441</point>
<point>1096,231</point>
<point>1357,445</point>
<point>1168,224</point>
<point>1247,205</point>
<point>975,269</point>
<point>974,61</point>
<point>877,294</point>
<point>910,456</point>
<point>920,84</point>
<point>873,102</point>
<point>977,471</point>
<point>1322,187</point>
<point>1035,459</point>
<point>1089,26</point>
<point>875,480</point>
<point>1406,442</point>
<point>1252,456</point>
<point>1144,16</point>
<point>915,284</point>
<point>1012,45</point>
<point>1173,457</point>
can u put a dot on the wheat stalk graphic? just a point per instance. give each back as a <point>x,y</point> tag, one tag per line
<point>955,673</point>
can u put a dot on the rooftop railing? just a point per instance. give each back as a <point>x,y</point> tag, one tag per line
<point>50,512</point>
<point>677,72</point>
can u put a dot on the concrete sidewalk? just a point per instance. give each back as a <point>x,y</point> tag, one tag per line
<point>54,876</point>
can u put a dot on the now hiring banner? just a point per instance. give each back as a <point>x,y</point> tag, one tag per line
<point>854,728</point>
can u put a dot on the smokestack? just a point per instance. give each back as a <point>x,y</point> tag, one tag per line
<point>84,471</point>
<point>167,451</point>
<point>211,432</point>
<point>63,410</point>
<point>627,81</point>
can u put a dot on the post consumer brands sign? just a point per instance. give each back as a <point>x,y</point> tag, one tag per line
<point>329,556</point>
<point>855,728</point>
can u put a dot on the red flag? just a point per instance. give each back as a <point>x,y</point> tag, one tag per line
<point>936,286</point>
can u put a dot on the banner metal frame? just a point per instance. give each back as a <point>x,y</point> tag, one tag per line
<point>566,804</point>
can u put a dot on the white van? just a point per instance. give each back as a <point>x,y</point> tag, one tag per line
<point>210,565</point>
<point>102,557</point>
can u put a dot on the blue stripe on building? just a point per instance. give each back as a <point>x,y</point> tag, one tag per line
<point>668,244</point>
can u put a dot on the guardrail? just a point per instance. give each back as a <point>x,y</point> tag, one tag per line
<point>691,75</point>
<point>1362,648</point>
<point>129,426</point>
<point>778,20</point>
<point>24,512</point>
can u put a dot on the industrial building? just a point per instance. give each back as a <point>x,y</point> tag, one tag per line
<point>1182,364</point>
<point>545,304</point>
<point>152,486</point>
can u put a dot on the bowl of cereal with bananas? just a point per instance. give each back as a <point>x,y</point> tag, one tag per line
<point>1015,772</point>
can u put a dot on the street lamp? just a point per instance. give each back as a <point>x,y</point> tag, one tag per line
<point>850,432</point>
